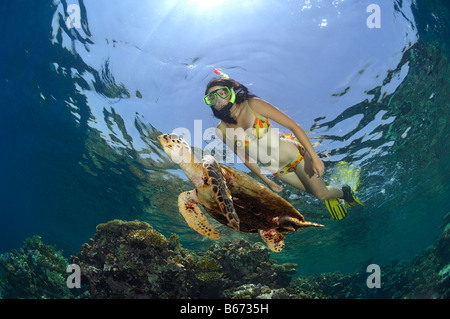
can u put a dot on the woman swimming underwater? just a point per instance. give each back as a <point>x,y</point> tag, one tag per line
<point>245,127</point>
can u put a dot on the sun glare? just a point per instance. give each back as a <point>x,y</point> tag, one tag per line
<point>204,5</point>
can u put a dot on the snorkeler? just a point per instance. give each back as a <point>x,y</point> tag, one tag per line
<point>245,127</point>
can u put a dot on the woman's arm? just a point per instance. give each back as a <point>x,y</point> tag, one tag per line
<point>269,111</point>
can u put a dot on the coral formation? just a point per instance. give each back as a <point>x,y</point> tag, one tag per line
<point>246,263</point>
<point>426,277</point>
<point>35,271</point>
<point>122,254</point>
<point>132,260</point>
<point>252,291</point>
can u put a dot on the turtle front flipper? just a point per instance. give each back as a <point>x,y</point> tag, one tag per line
<point>188,207</point>
<point>273,239</point>
<point>219,187</point>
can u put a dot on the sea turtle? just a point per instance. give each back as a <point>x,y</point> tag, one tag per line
<point>231,197</point>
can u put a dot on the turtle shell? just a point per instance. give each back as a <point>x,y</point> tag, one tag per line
<point>257,207</point>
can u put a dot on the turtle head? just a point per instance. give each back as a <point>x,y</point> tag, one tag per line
<point>176,148</point>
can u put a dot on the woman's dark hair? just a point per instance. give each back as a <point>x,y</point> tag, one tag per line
<point>241,91</point>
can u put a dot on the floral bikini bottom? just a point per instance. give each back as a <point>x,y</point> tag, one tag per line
<point>290,167</point>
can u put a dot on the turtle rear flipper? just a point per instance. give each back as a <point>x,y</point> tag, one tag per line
<point>273,239</point>
<point>219,187</point>
<point>189,209</point>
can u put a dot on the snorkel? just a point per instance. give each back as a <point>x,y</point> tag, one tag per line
<point>217,71</point>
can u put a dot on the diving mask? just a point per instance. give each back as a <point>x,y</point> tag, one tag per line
<point>223,92</point>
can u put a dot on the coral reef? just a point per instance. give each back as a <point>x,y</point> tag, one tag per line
<point>252,291</point>
<point>132,260</point>
<point>246,263</point>
<point>35,271</point>
<point>426,276</point>
<point>325,286</point>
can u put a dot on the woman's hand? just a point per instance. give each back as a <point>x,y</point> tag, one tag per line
<point>274,186</point>
<point>318,166</point>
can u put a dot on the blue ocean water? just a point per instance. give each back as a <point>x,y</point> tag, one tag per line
<point>86,86</point>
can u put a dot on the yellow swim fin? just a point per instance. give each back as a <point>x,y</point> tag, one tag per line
<point>348,174</point>
<point>336,208</point>
<point>345,173</point>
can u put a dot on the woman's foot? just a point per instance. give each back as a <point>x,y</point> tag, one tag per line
<point>349,197</point>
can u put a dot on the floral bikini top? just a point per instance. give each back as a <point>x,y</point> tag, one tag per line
<point>259,130</point>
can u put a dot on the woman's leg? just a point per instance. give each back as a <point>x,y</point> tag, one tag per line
<point>293,180</point>
<point>315,187</point>
<point>314,184</point>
